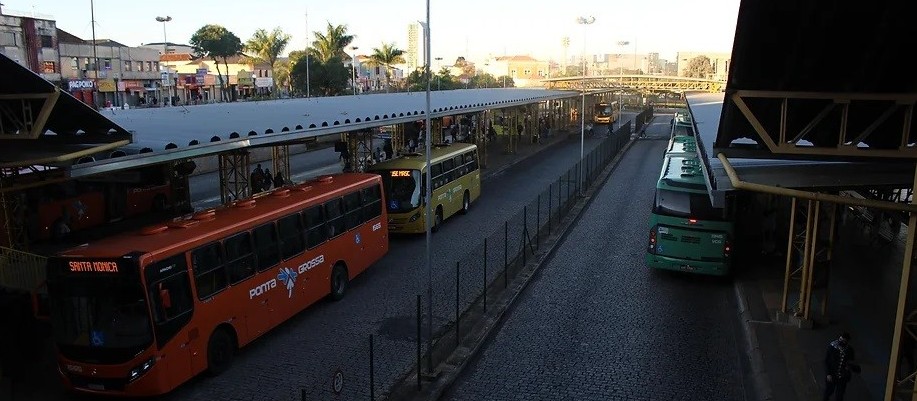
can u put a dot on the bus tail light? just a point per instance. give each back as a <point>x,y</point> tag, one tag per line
<point>727,248</point>
<point>651,247</point>
<point>141,369</point>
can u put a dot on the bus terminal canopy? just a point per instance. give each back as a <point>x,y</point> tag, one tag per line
<point>821,80</point>
<point>42,124</point>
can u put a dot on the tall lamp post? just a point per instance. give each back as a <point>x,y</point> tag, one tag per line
<point>438,86</point>
<point>428,191</point>
<point>165,47</point>
<point>353,66</point>
<point>621,65</point>
<point>585,22</point>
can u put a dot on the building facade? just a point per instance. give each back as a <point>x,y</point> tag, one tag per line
<point>412,56</point>
<point>123,75</point>
<point>198,81</point>
<point>524,70</point>
<point>719,61</point>
<point>32,42</point>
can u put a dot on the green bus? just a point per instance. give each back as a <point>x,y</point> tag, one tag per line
<point>456,184</point>
<point>682,124</point>
<point>686,232</point>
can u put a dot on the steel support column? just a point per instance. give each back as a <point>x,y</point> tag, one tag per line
<point>14,229</point>
<point>806,243</point>
<point>892,384</point>
<point>280,156</point>
<point>360,147</point>
<point>234,173</point>
<point>397,140</point>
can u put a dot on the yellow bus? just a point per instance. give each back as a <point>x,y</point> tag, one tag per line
<point>607,113</point>
<point>456,181</point>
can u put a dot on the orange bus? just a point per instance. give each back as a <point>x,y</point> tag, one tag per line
<point>138,314</point>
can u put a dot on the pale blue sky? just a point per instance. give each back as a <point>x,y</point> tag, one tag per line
<point>483,27</point>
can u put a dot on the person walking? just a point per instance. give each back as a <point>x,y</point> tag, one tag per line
<point>839,367</point>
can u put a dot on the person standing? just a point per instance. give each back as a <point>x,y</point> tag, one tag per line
<point>839,367</point>
<point>279,181</point>
<point>256,180</point>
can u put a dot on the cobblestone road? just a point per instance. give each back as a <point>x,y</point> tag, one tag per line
<point>596,324</point>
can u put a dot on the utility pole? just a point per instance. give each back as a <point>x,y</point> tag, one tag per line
<point>95,56</point>
<point>308,93</point>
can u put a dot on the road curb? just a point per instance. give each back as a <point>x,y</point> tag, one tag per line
<point>760,376</point>
<point>483,331</point>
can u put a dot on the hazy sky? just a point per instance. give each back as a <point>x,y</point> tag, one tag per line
<point>473,28</point>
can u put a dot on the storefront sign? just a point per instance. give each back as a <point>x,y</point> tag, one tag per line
<point>80,84</point>
<point>264,82</point>
<point>107,85</point>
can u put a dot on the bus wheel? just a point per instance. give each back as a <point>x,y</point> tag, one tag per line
<point>220,351</point>
<point>437,220</point>
<point>466,203</point>
<point>339,282</point>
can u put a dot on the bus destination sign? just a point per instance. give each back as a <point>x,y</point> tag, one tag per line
<point>401,173</point>
<point>93,267</point>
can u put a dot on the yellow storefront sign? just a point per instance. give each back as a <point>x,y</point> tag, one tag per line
<point>107,85</point>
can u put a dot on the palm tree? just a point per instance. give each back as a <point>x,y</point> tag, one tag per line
<point>282,70</point>
<point>331,43</point>
<point>268,46</point>
<point>385,57</point>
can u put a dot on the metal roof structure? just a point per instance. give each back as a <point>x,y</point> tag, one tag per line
<point>814,174</point>
<point>824,84</point>
<point>47,125</point>
<point>179,133</point>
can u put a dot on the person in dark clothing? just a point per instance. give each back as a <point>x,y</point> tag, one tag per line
<point>839,367</point>
<point>256,180</point>
<point>279,181</point>
<point>268,180</point>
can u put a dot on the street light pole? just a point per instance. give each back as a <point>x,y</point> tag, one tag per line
<point>438,86</point>
<point>585,22</point>
<point>428,194</point>
<point>95,56</point>
<point>353,67</point>
<point>165,47</point>
<point>307,56</point>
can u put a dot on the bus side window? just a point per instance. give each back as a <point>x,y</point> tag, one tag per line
<point>460,167</point>
<point>315,224</point>
<point>352,210</point>
<point>241,261</point>
<point>209,271</point>
<point>334,217</point>
<point>471,158</point>
<point>437,171</point>
<point>266,246</point>
<point>372,203</point>
<point>291,241</point>
<point>448,174</point>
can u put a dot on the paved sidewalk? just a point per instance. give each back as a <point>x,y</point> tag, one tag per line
<point>862,297</point>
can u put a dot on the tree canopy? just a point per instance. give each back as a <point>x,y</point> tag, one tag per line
<point>385,57</point>
<point>331,43</point>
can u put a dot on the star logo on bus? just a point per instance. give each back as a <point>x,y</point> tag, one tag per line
<point>288,277</point>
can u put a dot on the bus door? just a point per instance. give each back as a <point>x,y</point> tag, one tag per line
<point>172,308</point>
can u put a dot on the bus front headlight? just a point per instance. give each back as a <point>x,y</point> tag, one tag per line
<point>141,369</point>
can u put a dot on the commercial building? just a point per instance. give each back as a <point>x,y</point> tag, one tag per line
<point>31,40</point>
<point>524,70</point>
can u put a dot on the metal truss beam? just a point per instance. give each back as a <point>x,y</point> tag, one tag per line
<point>281,159</point>
<point>360,148</point>
<point>650,83</point>
<point>234,173</point>
<point>27,124</point>
<point>773,129</point>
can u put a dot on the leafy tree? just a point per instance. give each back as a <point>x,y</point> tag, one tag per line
<point>385,57</point>
<point>268,46</point>
<point>506,81</point>
<point>699,67</point>
<point>416,81</point>
<point>444,80</point>
<point>295,56</point>
<point>467,67</point>
<point>331,43</point>
<point>282,70</point>
<point>485,80</point>
<point>216,42</point>
<point>328,78</point>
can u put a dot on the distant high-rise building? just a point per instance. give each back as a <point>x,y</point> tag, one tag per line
<point>411,57</point>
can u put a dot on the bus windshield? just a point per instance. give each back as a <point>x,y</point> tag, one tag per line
<point>686,204</point>
<point>98,318</point>
<point>402,189</point>
<point>603,111</point>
